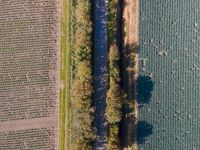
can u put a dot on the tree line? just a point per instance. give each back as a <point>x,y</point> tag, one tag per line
<point>115,94</point>
<point>83,133</point>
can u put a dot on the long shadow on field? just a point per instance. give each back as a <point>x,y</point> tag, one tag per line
<point>144,130</point>
<point>144,89</point>
<point>128,124</point>
<point>139,90</point>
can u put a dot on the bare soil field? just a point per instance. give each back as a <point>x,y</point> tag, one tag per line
<point>29,69</point>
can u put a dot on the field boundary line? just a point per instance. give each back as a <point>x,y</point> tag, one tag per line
<point>64,74</point>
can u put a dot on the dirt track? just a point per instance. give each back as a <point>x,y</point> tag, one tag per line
<point>130,67</point>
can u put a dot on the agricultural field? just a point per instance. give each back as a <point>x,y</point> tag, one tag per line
<point>168,81</point>
<point>62,84</point>
<point>29,83</point>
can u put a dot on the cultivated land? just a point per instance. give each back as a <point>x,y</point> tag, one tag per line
<point>169,46</point>
<point>29,56</point>
<point>48,70</point>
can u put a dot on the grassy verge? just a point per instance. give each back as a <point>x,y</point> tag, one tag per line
<point>65,74</point>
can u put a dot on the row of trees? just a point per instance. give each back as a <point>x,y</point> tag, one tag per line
<point>83,133</point>
<point>115,95</point>
<point>115,98</point>
<point>82,105</point>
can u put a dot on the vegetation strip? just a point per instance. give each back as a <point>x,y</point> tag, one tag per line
<point>82,131</point>
<point>76,94</point>
<point>76,109</point>
<point>115,95</point>
<point>64,74</point>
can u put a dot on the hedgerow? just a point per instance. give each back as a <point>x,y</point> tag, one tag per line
<point>83,131</point>
<point>115,95</point>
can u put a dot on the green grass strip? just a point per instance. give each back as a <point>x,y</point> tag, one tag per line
<point>65,75</point>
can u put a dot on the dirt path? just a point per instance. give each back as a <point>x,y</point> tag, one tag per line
<point>130,16</point>
<point>100,72</point>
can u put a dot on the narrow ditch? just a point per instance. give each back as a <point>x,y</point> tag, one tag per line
<point>100,71</point>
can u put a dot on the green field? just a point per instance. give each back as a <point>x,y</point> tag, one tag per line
<point>168,83</point>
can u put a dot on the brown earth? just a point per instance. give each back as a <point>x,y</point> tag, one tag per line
<point>130,67</point>
<point>29,74</point>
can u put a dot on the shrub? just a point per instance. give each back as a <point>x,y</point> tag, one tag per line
<point>113,140</point>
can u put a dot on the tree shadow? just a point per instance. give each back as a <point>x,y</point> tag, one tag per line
<point>137,90</point>
<point>144,89</point>
<point>128,126</point>
<point>128,69</point>
<point>144,130</point>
